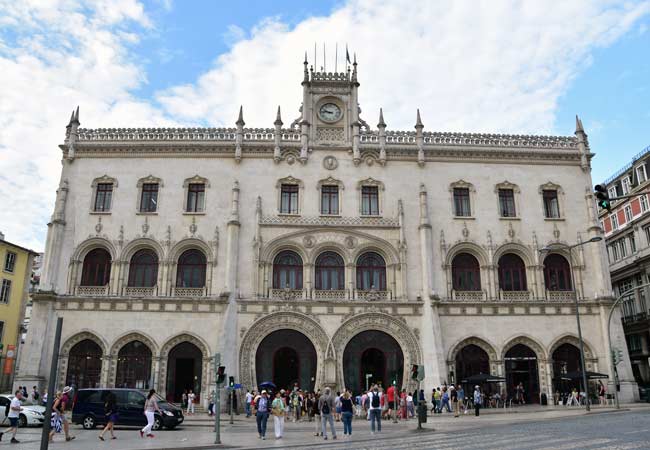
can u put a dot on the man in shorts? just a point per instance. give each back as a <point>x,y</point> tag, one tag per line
<point>14,413</point>
<point>64,407</point>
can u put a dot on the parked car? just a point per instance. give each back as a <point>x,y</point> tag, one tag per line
<point>31,415</point>
<point>88,409</point>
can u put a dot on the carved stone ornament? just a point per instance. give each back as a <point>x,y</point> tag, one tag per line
<point>99,226</point>
<point>465,230</point>
<point>309,241</point>
<point>145,226</point>
<point>193,226</point>
<point>350,242</point>
<point>330,162</point>
<point>511,231</point>
<point>120,238</point>
<point>556,231</point>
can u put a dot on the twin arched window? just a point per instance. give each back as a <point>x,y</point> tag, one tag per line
<point>465,273</point>
<point>191,269</point>
<point>143,269</point>
<point>329,271</point>
<point>512,273</point>
<point>557,273</point>
<point>96,269</point>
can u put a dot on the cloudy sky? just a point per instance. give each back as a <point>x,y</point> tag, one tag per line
<point>491,66</point>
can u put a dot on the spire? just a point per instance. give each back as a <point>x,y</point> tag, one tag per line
<point>278,119</point>
<point>381,119</point>
<point>76,116</point>
<point>306,71</point>
<point>240,119</point>
<point>418,121</point>
<point>579,127</point>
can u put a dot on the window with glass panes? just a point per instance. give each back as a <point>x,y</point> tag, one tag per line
<point>643,201</point>
<point>614,218</point>
<point>10,261</point>
<point>646,230</point>
<point>551,204</point>
<point>5,291</point>
<point>369,200</point>
<point>628,213</point>
<point>149,197</point>
<point>103,197</point>
<point>289,199</point>
<point>329,203</point>
<point>462,206</point>
<point>507,203</point>
<point>632,243</point>
<point>195,197</point>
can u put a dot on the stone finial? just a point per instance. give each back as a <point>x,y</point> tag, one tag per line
<point>381,123</point>
<point>278,118</point>
<point>75,118</point>
<point>240,119</point>
<point>579,127</point>
<point>418,121</point>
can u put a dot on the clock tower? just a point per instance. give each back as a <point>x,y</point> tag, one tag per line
<point>330,111</point>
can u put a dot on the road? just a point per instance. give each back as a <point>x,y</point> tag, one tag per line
<point>558,430</point>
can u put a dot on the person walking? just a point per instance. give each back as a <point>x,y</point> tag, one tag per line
<point>190,403</point>
<point>347,411</point>
<point>61,409</point>
<point>110,412</point>
<point>35,395</point>
<point>150,406</point>
<point>602,392</point>
<point>477,400</point>
<point>453,395</point>
<point>14,414</point>
<point>315,411</point>
<point>249,399</point>
<point>374,411</point>
<point>326,408</point>
<point>184,399</point>
<point>262,415</point>
<point>445,400</point>
<point>278,411</point>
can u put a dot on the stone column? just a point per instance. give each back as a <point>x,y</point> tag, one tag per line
<point>307,272</point>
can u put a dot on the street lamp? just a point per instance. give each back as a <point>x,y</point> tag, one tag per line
<point>575,296</point>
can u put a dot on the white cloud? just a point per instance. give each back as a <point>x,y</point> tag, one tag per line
<point>497,66</point>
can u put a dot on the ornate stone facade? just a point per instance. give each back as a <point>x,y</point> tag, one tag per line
<point>240,233</point>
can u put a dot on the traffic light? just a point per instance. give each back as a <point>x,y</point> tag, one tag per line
<point>603,197</point>
<point>231,382</point>
<point>414,371</point>
<point>221,374</point>
<point>617,356</point>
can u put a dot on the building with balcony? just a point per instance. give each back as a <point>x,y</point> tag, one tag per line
<point>320,252</point>
<point>627,232</point>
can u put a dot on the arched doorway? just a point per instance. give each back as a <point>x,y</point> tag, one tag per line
<point>471,360</point>
<point>84,365</point>
<point>286,357</point>
<point>134,366</point>
<point>521,368</point>
<point>566,359</point>
<point>374,355</point>
<point>184,371</point>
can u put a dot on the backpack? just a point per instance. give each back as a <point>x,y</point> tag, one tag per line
<point>375,400</point>
<point>326,406</point>
<point>35,395</point>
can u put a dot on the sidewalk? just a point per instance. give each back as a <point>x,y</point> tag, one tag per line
<point>198,432</point>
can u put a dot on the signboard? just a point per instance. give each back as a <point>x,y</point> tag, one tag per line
<point>237,386</point>
<point>9,361</point>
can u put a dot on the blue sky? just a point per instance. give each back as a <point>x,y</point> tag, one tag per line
<point>499,66</point>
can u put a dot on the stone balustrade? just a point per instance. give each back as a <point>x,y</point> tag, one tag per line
<point>330,295</point>
<point>287,294</point>
<point>93,291</point>
<point>133,291</point>
<point>372,295</point>
<point>188,292</point>
<point>469,296</point>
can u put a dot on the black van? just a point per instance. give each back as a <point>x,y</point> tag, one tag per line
<point>88,409</point>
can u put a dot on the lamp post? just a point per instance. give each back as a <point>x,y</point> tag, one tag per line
<point>575,297</point>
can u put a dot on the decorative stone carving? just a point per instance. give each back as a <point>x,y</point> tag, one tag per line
<point>145,226</point>
<point>309,241</point>
<point>330,134</point>
<point>99,226</point>
<point>330,162</point>
<point>350,242</point>
<point>511,231</point>
<point>556,231</point>
<point>465,231</point>
<point>193,226</point>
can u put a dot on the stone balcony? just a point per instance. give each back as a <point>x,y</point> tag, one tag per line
<point>133,291</point>
<point>560,296</point>
<point>469,296</point>
<point>92,291</point>
<point>189,292</point>
<point>515,296</point>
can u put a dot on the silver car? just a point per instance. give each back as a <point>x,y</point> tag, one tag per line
<point>31,415</point>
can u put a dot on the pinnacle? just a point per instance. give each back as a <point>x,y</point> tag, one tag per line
<point>278,118</point>
<point>381,118</point>
<point>418,121</point>
<point>579,127</point>
<point>240,119</point>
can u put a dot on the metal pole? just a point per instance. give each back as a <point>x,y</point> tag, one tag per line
<point>51,386</point>
<point>582,348</point>
<point>217,401</point>
<point>232,404</point>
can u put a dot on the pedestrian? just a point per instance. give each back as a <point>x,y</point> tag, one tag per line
<point>315,411</point>
<point>326,408</point>
<point>44,397</point>
<point>278,411</point>
<point>190,403</point>
<point>410,405</point>
<point>461,399</point>
<point>56,423</point>
<point>337,406</point>
<point>375,409</point>
<point>295,405</point>
<point>25,392</point>
<point>347,411</point>
<point>477,400</point>
<point>390,398</point>
<point>602,391</point>
<point>445,400</point>
<point>110,412</point>
<point>150,406</point>
<point>453,395</point>
<point>249,399</point>
<point>437,395</point>
<point>14,413</point>
<point>262,415</point>
<point>35,395</point>
<point>62,410</point>
<point>184,399</point>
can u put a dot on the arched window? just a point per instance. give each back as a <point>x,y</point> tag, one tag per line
<point>330,272</point>
<point>191,269</point>
<point>134,366</point>
<point>287,270</point>
<point>465,273</point>
<point>143,270</point>
<point>84,365</point>
<point>557,273</point>
<point>371,272</point>
<point>512,273</point>
<point>96,268</point>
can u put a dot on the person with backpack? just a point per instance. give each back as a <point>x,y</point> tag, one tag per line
<point>326,408</point>
<point>62,406</point>
<point>110,412</point>
<point>374,411</point>
<point>347,411</point>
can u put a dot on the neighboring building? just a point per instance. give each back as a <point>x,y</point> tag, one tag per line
<point>627,231</point>
<point>320,253</point>
<point>14,287</point>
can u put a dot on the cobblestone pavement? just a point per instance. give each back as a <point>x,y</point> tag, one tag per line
<point>558,429</point>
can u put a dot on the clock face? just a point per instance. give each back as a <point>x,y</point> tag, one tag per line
<point>329,112</point>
